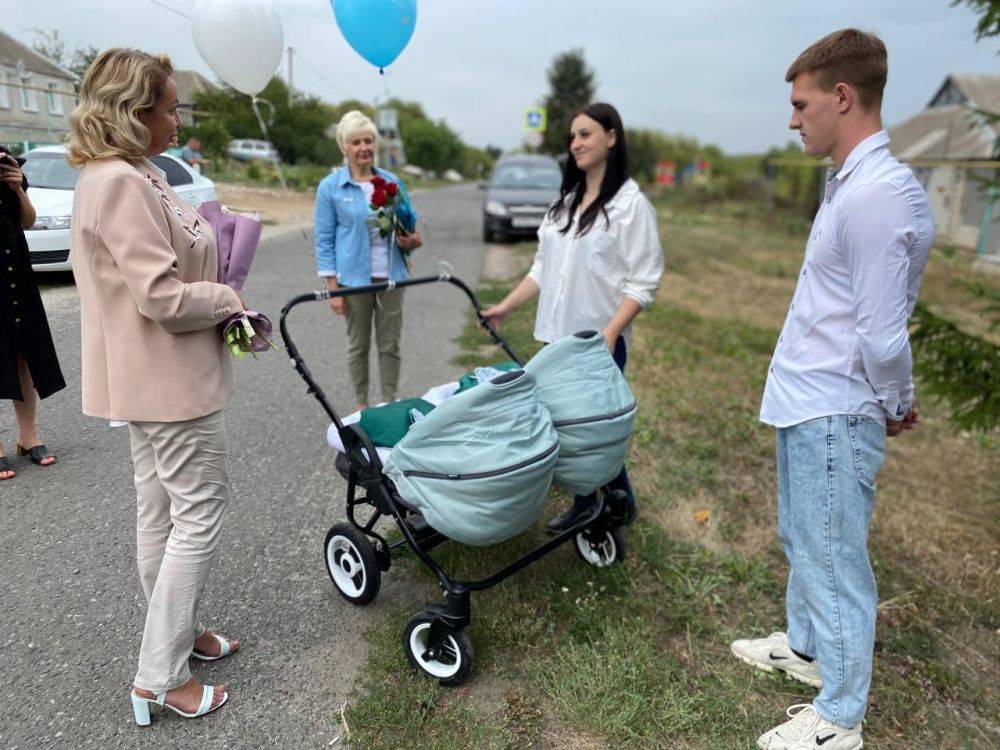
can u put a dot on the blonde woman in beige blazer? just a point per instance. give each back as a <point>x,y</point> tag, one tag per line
<point>153,356</point>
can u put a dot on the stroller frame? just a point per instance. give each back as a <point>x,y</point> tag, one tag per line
<point>434,640</point>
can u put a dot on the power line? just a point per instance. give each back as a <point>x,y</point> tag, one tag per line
<point>327,81</point>
<point>172,10</point>
<point>298,53</point>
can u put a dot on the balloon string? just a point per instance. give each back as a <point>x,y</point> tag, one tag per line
<point>254,103</point>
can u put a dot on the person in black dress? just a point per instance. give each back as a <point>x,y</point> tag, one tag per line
<point>29,368</point>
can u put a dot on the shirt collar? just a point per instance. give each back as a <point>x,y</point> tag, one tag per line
<point>625,193</point>
<point>869,144</point>
<point>344,175</point>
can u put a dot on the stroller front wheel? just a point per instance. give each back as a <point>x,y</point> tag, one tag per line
<point>450,664</point>
<point>351,563</point>
<point>601,547</point>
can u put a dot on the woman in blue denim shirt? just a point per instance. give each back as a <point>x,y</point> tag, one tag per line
<point>350,252</point>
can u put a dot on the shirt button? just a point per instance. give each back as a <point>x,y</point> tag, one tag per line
<point>10,268</point>
<point>17,320</point>
<point>13,285</point>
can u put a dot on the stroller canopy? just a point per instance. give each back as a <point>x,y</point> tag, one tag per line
<point>479,466</point>
<point>592,408</point>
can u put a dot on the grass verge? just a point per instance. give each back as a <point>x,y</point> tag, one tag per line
<point>636,656</point>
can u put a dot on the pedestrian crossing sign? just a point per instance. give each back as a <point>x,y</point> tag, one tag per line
<point>535,119</point>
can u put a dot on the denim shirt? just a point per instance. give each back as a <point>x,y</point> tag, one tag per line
<point>343,242</point>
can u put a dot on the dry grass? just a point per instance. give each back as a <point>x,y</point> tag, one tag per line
<point>637,655</point>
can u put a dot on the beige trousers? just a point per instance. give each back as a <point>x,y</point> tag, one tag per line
<point>385,310</point>
<point>181,492</point>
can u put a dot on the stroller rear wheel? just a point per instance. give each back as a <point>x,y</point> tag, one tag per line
<point>450,664</point>
<point>351,563</point>
<point>601,547</point>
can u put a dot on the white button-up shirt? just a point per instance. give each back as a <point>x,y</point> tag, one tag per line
<point>844,348</point>
<point>583,280</point>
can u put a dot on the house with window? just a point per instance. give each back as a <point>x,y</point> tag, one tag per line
<point>36,95</point>
<point>951,145</point>
<point>190,83</point>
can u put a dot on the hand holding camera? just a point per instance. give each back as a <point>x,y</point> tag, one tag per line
<point>10,172</point>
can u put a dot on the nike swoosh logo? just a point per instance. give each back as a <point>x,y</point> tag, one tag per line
<point>824,740</point>
<point>772,657</point>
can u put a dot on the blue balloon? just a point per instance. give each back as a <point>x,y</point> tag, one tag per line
<point>378,30</point>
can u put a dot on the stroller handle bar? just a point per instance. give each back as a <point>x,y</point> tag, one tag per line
<point>323,294</point>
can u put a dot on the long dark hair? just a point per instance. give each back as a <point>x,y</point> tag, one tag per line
<point>574,182</point>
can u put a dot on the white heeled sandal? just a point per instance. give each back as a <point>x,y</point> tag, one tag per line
<point>225,649</point>
<point>140,705</point>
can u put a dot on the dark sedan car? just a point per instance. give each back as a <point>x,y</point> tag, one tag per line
<point>519,194</point>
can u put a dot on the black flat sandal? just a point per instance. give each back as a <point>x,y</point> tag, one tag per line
<point>37,454</point>
<point>6,468</point>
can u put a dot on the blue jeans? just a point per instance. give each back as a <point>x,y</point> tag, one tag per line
<point>826,494</point>
<point>620,482</point>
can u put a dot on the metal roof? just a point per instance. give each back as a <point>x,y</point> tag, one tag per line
<point>12,51</point>
<point>952,131</point>
<point>982,91</point>
<point>190,83</point>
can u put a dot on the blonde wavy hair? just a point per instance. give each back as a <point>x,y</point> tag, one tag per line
<point>118,85</point>
<point>350,125</point>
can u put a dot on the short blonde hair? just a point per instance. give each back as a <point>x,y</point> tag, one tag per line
<point>117,86</point>
<point>351,124</point>
<point>847,56</point>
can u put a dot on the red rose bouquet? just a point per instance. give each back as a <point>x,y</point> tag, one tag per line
<point>385,200</point>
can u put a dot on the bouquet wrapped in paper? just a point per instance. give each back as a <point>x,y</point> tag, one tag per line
<point>237,236</point>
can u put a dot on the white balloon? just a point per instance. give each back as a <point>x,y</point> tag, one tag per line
<point>241,40</point>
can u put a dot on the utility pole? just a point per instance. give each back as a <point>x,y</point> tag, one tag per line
<point>290,90</point>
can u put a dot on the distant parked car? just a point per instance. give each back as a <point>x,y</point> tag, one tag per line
<point>517,197</point>
<point>248,149</point>
<point>51,183</point>
<point>452,175</point>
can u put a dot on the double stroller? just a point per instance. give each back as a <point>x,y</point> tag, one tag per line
<point>475,466</point>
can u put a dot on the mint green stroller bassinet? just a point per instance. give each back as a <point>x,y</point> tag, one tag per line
<point>477,469</point>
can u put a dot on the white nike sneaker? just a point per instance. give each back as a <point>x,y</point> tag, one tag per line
<point>773,653</point>
<point>807,730</point>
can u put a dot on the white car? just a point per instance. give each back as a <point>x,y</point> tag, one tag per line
<point>248,149</point>
<point>51,182</point>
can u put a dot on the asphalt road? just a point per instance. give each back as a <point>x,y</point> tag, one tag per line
<point>71,609</point>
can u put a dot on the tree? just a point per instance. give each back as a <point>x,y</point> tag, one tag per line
<point>571,86</point>
<point>989,16</point>
<point>958,366</point>
<point>432,145</point>
<point>298,131</point>
<point>211,132</point>
<point>51,46</point>
<point>477,163</point>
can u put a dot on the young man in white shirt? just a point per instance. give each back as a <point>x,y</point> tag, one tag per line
<point>840,381</point>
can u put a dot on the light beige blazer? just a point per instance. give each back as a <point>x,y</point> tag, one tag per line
<point>145,265</point>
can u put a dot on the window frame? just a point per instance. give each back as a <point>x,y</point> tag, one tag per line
<point>53,98</point>
<point>29,98</point>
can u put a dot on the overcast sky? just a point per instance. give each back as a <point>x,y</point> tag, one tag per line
<point>713,69</point>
